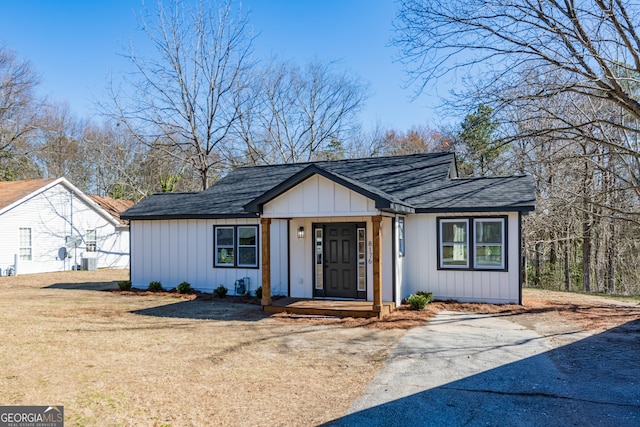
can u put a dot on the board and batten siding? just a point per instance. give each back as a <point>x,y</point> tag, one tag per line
<point>318,196</point>
<point>176,251</point>
<point>52,215</point>
<point>421,265</point>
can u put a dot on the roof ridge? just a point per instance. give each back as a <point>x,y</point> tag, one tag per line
<point>316,162</point>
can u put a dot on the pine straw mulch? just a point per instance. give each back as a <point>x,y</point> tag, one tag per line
<point>586,311</point>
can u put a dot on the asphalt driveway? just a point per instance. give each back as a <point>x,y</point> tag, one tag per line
<point>483,370</point>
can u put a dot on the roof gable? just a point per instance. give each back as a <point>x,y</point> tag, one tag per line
<point>383,201</point>
<point>14,193</point>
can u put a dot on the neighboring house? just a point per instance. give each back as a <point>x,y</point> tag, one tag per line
<point>376,229</point>
<point>50,225</point>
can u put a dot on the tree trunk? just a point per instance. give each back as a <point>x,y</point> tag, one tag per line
<point>586,254</point>
<point>567,264</point>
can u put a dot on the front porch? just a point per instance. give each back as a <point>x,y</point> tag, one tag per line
<point>321,307</point>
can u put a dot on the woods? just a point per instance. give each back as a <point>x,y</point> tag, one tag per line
<point>546,88</point>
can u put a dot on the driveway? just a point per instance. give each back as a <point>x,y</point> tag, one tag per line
<point>483,370</point>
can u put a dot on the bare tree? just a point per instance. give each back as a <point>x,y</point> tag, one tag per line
<point>593,44</point>
<point>183,97</point>
<point>295,113</point>
<point>18,114</point>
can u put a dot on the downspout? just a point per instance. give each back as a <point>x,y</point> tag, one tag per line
<point>520,260</point>
<point>288,257</point>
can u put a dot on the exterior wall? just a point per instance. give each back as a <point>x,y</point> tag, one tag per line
<point>421,265</point>
<point>173,251</point>
<point>53,215</point>
<point>319,197</point>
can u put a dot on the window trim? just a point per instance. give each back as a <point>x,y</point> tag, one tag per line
<point>91,245</point>
<point>236,246</point>
<point>401,241</point>
<point>29,247</point>
<point>441,264</point>
<point>471,243</point>
<point>502,244</point>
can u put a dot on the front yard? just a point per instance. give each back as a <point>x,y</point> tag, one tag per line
<point>125,360</point>
<point>118,360</point>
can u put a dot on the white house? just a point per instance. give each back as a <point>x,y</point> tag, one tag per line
<point>50,225</point>
<point>376,229</point>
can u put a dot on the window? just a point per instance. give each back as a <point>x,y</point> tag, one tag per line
<point>319,254</point>
<point>25,244</point>
<point>487,248</point>
<point>232,251</point>
<point>454,243</point>
<point>90,240</point>
<point>247,246</point>
<point>362,259</point>
<point>401,236</point>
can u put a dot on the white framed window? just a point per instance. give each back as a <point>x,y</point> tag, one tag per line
<point>247,246</point>
<point>362,259</point>
<point>25,244</point>
<point>401,237</point>
<point>224,246</point>
<point>319,258</point>
<point>488,243</point>
<point>90,240</point>
<point>454,243</point>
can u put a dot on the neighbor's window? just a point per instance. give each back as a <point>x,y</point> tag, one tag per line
<point>489,243</point>
<point>224,246</point>
<point>454,243</point>
<point>236,246</point>
<point>401,236</point>
<point>25,244</point>
<point>248,246</point>
<point>90,240</point>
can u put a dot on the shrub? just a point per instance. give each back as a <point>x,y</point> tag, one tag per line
<point>259,292</point>
<point>417,302</point>
<point>184,288</point>
<point>155,286</point>
<point>124,285</point>
<point>427,295</point>
<point>220,291</point>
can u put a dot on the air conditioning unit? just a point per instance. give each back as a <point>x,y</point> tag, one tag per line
<point>88,264</point>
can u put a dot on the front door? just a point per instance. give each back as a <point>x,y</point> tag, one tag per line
<point>339,277</point>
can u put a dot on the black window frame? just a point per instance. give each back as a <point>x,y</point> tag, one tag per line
<point>471,243</point>
<point>236,246</point>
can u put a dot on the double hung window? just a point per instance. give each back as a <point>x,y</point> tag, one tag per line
<point>472,243</point>
<point>236,246</point>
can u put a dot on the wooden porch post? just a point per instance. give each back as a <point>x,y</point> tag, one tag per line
<point>266,260</point>
<point>377,264</point>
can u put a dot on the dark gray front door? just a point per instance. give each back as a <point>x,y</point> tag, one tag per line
<point>340,260</point>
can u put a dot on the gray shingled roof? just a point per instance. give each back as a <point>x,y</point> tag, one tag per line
<point>419,182</point>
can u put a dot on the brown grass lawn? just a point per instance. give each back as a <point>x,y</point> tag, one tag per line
<point>122,360</point>
<point>152,360</point>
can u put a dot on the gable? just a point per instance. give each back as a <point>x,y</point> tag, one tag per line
<point>319,196</point>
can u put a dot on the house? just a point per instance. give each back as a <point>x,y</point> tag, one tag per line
<point>374,229</point>
<point>50,225</point>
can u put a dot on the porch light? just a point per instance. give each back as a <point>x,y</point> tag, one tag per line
<point>301,233</point>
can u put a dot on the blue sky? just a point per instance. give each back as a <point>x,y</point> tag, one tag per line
<point>75,46</point>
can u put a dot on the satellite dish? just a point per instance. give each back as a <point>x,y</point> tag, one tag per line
<point>72,241</point>
<point>62,252</point>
